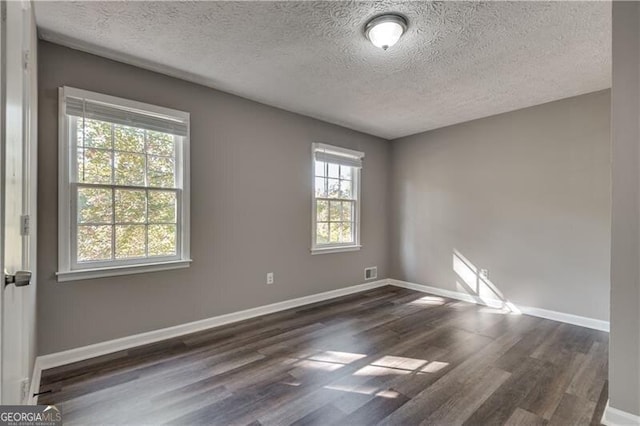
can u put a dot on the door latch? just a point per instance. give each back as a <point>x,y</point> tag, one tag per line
<point>19,279</point>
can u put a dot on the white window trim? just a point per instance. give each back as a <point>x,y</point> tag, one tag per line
<point>357,178</point>
<point>68,270</point>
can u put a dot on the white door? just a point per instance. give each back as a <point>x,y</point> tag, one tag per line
<point>14,179</point>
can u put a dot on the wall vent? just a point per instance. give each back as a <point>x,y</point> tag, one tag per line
<point>371,273</point>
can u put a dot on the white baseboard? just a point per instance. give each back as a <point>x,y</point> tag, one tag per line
<point>595,324</point>
<point>614,417</point>
<point>587,322</point>
<point>91,351</point>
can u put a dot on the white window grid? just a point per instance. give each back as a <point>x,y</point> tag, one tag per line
<point>76,182</point>
<point>341,201</point>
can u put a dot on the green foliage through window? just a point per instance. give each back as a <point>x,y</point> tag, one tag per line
<point>127,198</point>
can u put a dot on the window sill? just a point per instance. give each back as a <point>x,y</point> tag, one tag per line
<point>328,250</point>
<point>114,271</point>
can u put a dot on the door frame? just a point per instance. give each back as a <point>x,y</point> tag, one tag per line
<point>28,79</point>
<point>30,185</point>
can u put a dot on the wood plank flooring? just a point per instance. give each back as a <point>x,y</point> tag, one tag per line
<point>388,356</point>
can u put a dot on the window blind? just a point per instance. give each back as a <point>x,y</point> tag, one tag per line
<point>338,158</point>
<point>80,107</point>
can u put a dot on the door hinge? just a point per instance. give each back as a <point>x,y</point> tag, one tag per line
<point>25,60</point>
<point>25,225</point>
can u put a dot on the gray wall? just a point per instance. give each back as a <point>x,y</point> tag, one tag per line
<point>524,194</point>
<point>624,343</point>
<point>250,213</point>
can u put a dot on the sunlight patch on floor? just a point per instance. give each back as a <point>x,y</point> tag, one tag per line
<point>364,390</point>
<point>337,357</point>
<point>318,365</point>
<point>372,370</point>
<point>428,301</point>
<point>400,366</point>
<point>434,367</point>
<point>399,362</point>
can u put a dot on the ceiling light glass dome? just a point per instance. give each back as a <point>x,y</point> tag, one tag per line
<point>385,30</point>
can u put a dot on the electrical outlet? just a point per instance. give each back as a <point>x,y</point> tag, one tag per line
<point>484,273</point>
<point>270,278</point>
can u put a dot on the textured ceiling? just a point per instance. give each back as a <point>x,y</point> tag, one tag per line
<point>458,61</point>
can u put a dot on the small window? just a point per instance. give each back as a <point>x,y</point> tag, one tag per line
<point>336,199</point>
<point>123,186</point>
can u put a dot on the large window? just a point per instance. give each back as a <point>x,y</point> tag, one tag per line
<point>123,187</point>
<point>336,201</point>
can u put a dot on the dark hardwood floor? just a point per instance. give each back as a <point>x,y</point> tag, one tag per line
<point>387,356</point>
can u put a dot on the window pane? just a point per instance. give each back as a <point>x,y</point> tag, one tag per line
<point>129,169</point>
<point>335,230</point>
<point>334,170</point>
<point>322,211</point>
<point>97,134</point>
<point>346,189</point>
<point>128,138</point>
<point>131,206</point>
<point>322,235</point>
<point>346,172</point>
<point>347,232</point>
<point>94,166</point>
<point>94,243</point>
<point>320,190</point>
<point>335,213</point>
<point>162,206</point>
<point>347,211</point>
<point>130,241</point>
<point>160,143</point>
<point>94,205</point>
<point>320,168</point>
<point>162,240</point>
<point>334,188</point>
<point>160,172</point>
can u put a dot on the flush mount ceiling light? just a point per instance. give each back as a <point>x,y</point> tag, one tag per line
<point>385,30</point>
